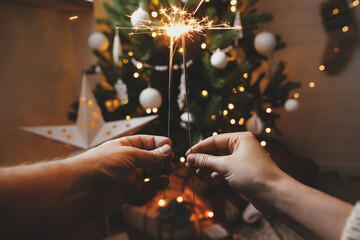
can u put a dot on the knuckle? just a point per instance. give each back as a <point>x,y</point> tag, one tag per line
<point>203,159</point>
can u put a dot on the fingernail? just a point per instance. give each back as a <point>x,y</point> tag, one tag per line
<point>191,160</point>
<point>165,149</point>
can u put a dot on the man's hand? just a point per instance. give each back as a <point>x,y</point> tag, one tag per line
<point>238,157</point>
<point>120,166</point>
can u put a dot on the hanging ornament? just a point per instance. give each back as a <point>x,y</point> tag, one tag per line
<point>150,98</point>
<point>182,93</point>
<point>140,17</point>
<point>121,90</point>
<point>219,59</point>
<point>98,41</point>
<point>185,119</point>
<point>237,23</point>
<point>265,43</point>
<point>117,49</point>
<point>291,105</point>
<point>255,124</point>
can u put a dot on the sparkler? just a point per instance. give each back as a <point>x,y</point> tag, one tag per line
<point>177,24</point>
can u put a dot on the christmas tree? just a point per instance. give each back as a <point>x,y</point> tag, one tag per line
<point>234,83</point>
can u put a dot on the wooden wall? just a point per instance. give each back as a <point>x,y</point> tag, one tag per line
<point>325,128</point>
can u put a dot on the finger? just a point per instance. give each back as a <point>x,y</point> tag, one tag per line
<point>215,175</point>
<point>147,142</point>
<point>213,144</point>
<point>206,161</point>
<point>154,158</point>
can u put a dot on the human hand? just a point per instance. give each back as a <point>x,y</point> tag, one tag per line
<point>119,167</point>
<point>238,157</point>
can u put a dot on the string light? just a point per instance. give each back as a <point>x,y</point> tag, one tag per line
<point>241,121</point>
<point>215,133</point>
<point>231,106</point>
<point>345,29</point>
<point>263,143</point>
<point>147,180</point>
<point>182,159</point>
<point>335,11</point>
<point>213,117</point>
<point>246,75</point>
<point>311,84</point>
<point>136,75</point>
<point>268,130</point>
<point>148,110</point>
<point>130,53</point>
<point>233,8</point>
<point>321,68</point>
<point>153,34</point>
<point>209,214</point>
<point>139,66</point>
<point>225,112</point>
<point>233,2</point>
<point>204,93</point>
<point>296,95</point>
<point>203,45</point>
<point>241,89</point>
<point>336,50</point>
<point>125,61</point>
<point>232,121</point>
<point>207,0</point>
<point>354,3</point>
<point>179,199</point>
<point>162,203</point>
<point>181,50</point>
<point>155,110</point>
<point>73,18</point>
<point>234,90</point>
<point>154,14</point>
<point>268,110</point>
<point>128,117</point>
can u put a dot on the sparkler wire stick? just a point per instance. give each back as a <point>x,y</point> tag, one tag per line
<point>171,61</point>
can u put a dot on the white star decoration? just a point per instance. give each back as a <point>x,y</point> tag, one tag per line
<point>90,129</point>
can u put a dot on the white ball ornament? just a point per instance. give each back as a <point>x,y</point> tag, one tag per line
<point>150,98</point>
<point>291,105</point>
<point>265,43</point>
<point>219,59</point>
<point>255,124</point>
<point>98,41</point>
<point>185,118</point>
<point>139,17</point>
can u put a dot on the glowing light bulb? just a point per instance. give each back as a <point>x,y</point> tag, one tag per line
<point>232,121</point>
<point>209,214</point>
<point>268,110</point>
<point>311,84</point>
<point>154,14</point>
<point>139,65</point>
<point>213,117</point>
<point>181,50</point>
<point>263,143</point>
<point>225,112</point>
<point>355,3</point>
<point>155,110</point>
<point>73,18</point>
<point>336,49</point>
<point>136,75</point>
<point>125,61</point>
<point>147,180</point>
<point>203,45</point>
<point>241,89</point>
<point>162,203</point>
<point>130,53</point>
<point>215,133</point>
<point>231,106</point>
<point>268,130</point>
<point>233,8</point>
<point>182,159</point>
<point>246,75</point>
<point>321,67</point>
<point>204,93</point>
<point>345,29</point>
<point>179,199</point>
<point>148,110</point>
<point>128,117</point>
<point>154,34</point>
<point>296,95</point>
<point>233,2</point>
<point>335,11</point>
<point>241,121</point>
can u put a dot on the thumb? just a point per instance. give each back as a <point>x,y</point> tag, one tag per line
<point>199,160</point>
<point>147,159</point>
